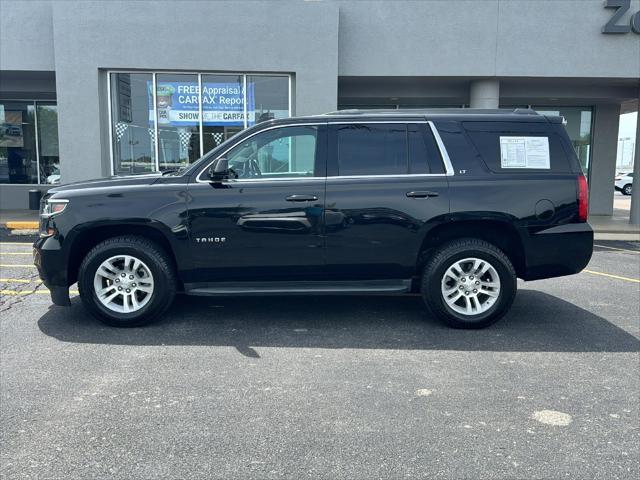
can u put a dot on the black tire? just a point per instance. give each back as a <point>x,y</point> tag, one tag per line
<point>443,258</point>
<point>157,261</point>
<point>627,189</point>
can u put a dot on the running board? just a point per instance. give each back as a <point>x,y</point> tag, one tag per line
<point>299,288</point>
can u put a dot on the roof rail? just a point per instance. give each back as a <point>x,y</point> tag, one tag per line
<point>433,111</point>
<point>525,111</point>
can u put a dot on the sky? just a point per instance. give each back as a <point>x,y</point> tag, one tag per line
<point>626,140</point>
<point>628,125</point>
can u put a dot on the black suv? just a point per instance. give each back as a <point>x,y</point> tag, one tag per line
<point>453,204</point>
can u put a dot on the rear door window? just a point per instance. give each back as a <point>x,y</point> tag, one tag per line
<point>384,149</point>
<point>424,155</point>
<point>371,148</point>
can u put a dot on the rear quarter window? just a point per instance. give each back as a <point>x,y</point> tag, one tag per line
<point>485,136</point>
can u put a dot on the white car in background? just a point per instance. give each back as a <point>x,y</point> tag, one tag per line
<point>624,183</point>
<point>54,177</point>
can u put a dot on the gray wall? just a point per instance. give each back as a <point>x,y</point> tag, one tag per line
<point>603,158</point>
<point>521,38</point>
<point>26,35</point>
<point>16,197</point>
<point>276,37</point>
<point>541,46</point>
<point>81,40</point>
<point>30,85</point>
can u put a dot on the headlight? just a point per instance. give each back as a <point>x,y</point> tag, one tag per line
<point>53,207</point>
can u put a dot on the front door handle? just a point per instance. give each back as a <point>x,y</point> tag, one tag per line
<point>301,198</point>
<point>423,194</point>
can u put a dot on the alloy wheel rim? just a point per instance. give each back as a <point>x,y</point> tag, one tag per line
<point>470,286</point>
<point>123,284</point>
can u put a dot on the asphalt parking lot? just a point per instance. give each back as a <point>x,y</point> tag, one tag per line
<point>325,387</point>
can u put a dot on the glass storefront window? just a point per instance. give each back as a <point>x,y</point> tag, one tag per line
<point>578,127</point>
<point>177,114</point>
<point>186,122</point>
<point>18,156</point>
<point>49,157</point>
<point>267,98</point>
<point>133,130</point>
<point>222,108</point>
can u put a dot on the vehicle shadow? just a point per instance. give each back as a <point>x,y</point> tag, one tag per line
<point>538,322</point>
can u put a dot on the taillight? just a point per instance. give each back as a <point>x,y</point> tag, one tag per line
<point>583,199</point>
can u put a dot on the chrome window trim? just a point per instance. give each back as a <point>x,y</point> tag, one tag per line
<point>236,181</point>
<point>448,167</point>
<point>376,121</point>
<point>394,175</point>
<point>440,144</point>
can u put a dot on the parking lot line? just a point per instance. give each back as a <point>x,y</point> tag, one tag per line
<point>28,292</point>
<point>19,292</point>
<point>17,243</point>
<point>16,253</point>
<point>618,249</point>
<point>618,277</point>
<point>17,266</point>
<point>18,280</point>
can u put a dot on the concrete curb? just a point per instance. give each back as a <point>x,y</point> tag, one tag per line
<point>24,232</point>
<point>21,225</point>
<point>627,237</point>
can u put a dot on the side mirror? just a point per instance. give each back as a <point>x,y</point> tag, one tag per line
<point>219,170</point>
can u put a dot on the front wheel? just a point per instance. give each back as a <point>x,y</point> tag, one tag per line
<point>126,281</point>
<point>627,189</point>
<point>469,283</point>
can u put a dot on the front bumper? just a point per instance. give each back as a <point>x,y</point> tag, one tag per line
<point>50,261</point>
<point>558,251</point>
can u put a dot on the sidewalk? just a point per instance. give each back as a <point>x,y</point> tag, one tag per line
<point>615,227</point>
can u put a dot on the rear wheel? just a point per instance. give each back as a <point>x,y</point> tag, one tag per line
<point>126,281</point>
<point>469,283</point>
<point>627,189</point>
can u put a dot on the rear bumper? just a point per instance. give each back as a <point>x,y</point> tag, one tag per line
<point>52,268</point>
<point>558,251</point>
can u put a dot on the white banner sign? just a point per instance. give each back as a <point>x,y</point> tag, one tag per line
<point>525,152</point>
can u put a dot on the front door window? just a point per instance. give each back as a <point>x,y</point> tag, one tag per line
<point>287,152</point>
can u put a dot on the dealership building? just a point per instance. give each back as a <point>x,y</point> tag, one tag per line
<point>97,88</point>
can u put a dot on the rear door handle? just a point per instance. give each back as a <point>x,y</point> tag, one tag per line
<point>301,198</point>
<point>423,194</point>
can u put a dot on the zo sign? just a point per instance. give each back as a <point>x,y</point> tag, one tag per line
<point>615,25</point>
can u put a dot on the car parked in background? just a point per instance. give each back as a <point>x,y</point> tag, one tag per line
<point>624,183</point>
<point>54,176</point>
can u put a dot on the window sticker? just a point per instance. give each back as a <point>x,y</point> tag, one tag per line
<point>524,152</point>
